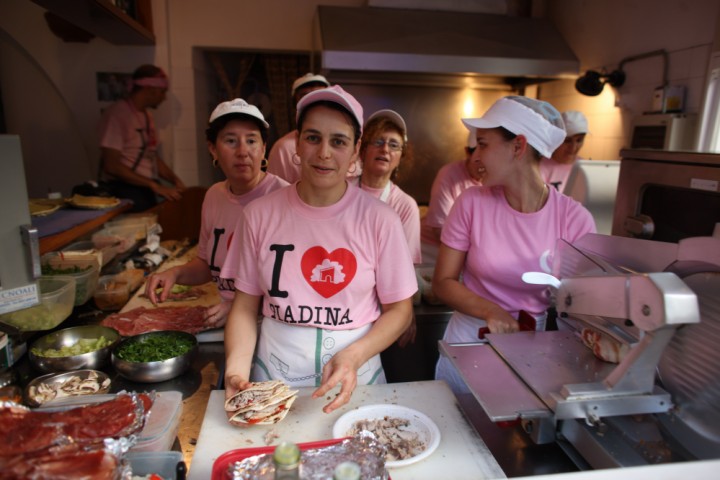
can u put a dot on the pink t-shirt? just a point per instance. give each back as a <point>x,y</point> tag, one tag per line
<point>220,212</point>
<point>502,244</point>
<point>280,160</point>
<point>126,129</point>
<point>555,174</point>
<point>329,267</point>
<point>450,181</point>
<point>407,208</point>
<point>284,162</point>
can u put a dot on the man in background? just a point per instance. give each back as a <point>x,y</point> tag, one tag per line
<point>451,180</point>
<point>130,163</point>
<point>283,160</point>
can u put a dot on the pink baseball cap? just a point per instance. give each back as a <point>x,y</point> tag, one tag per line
<point>394,117</point>
<point>237,105</point>
<point>539,122</point>
<point>333,94</point>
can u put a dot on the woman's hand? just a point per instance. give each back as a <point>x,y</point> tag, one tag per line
<point>500,321</point>
<point>408,335</point>
<point>234,383</point>
<point>164,280</point>
<point>216,315</point>
<point>342,368</point>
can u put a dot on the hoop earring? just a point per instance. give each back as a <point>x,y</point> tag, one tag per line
<point>354,168</point>
<point>264,163</point>
<point>215,162</point>
<point>292,159</point>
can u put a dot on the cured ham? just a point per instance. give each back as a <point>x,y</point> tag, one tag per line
<point>142,320</point>
<point>23,431</point>
<point>604,347</point>
<point>71,462</point>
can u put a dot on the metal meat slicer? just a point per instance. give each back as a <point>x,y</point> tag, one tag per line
<point>661,402</point>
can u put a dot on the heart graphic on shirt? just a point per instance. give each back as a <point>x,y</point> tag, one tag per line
<point>328,273</point>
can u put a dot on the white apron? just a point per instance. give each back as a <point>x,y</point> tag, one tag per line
<point>297,355</point>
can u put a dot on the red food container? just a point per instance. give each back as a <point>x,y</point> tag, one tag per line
<point>220,467</point>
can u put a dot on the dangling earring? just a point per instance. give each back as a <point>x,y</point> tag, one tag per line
<point>264,164</point>
<point>215,162</point>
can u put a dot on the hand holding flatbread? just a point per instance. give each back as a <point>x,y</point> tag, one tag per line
<point>263,403</point>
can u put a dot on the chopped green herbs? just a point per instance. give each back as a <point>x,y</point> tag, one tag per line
<point>154,348</point>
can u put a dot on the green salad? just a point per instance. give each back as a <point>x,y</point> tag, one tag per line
<point>154,348</point>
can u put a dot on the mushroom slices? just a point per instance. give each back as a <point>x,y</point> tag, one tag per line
<point>75,385</point>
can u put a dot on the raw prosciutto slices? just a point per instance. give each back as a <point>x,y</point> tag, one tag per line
<point>68,443</point>
<point>141,320</point>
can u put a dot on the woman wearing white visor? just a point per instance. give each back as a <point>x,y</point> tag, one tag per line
<point>508,226</point>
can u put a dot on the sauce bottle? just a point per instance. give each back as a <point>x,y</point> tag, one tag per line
<point>286,458</point>
<point>347,471</point>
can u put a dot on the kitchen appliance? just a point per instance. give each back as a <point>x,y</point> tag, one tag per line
<point>665,131</point>
<point>19,245</point>
<point>661,402</point>
<point>667,196</point>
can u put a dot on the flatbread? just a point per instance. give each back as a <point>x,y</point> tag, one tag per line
<point>40,207</point>
<point>263,403</point>
<point>81,201</point>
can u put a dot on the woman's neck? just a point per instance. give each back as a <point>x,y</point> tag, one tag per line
<point>527,197</point>
<point>241,188</point>
<point>374,181</point>
<point>320,197</point>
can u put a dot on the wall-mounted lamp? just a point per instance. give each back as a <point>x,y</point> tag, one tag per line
<point>592,83</point>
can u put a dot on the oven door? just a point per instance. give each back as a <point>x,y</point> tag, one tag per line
<point>667,196</point>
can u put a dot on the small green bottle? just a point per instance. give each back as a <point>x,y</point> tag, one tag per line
<point>347,471</point>
<point>287,461</point>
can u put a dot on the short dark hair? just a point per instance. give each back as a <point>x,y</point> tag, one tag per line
<point>333,106</point>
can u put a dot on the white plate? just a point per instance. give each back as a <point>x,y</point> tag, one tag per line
<point>419,422</point>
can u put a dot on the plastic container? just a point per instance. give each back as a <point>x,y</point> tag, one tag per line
<point>86,278</point>
<point>123,240</point>
<point>163,423</point>
<point>57,295</point>
<point>169,465</point>
<point>139,223</point>
<point>111,294</point>
<point>105,253</point>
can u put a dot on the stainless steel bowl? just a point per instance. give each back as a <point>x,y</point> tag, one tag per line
<point>68,337</point>
<point>152,372</point>
<point>56,381</point>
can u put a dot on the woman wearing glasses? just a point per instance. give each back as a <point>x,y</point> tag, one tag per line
<point>384,144</point>
<point>329,263</point>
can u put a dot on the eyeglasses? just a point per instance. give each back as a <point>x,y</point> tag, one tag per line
<point>393,145</point>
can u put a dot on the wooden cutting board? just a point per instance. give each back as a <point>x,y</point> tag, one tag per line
<point>462,454</point>
<point>211,296</point>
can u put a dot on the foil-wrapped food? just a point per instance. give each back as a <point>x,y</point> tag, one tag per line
<point>319,463</point>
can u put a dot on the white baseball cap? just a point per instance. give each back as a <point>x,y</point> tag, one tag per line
<point>237,105</point>
<point>394,117</point>
<point>472,138</point>
<point>536,120</point>
<point>333,94</point>
<point>308,78</point>
<point>575,123</point>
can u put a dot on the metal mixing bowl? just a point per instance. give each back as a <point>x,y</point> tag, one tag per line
<point>68,337</point>
<point>159,371</point>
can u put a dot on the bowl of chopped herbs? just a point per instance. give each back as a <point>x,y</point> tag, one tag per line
<point>155,356</point>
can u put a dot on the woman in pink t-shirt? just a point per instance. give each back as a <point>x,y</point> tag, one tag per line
<point>327,264</point>
<point>236,137</point>
<point>506,227</point>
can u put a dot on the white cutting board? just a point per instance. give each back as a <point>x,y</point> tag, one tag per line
<point>461,450</point>
<point>211,297</point>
